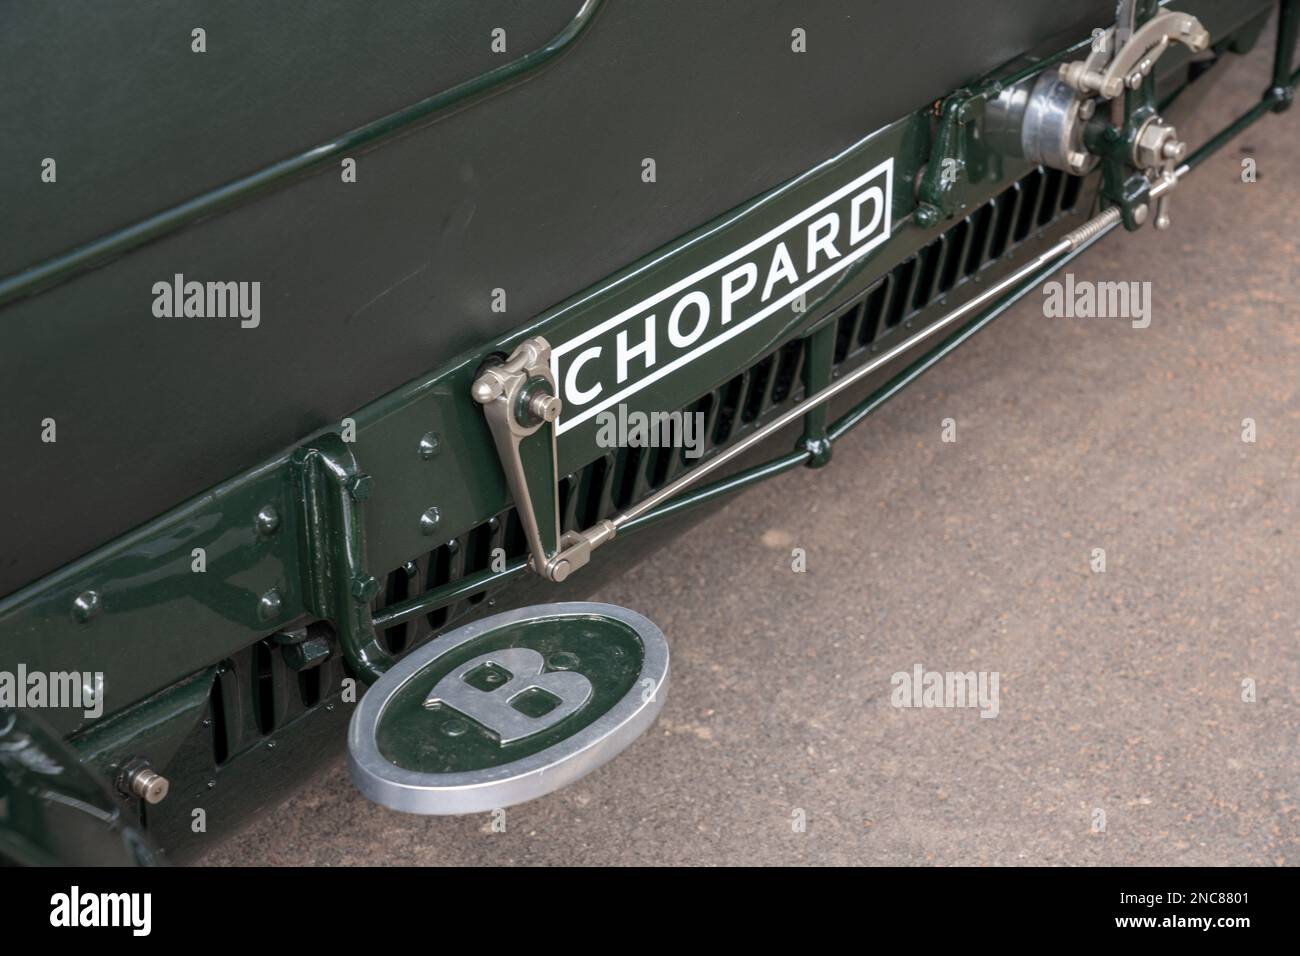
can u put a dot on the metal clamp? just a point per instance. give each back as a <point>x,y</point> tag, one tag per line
<point>1124,56</point>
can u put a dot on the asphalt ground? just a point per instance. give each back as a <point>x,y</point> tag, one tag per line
<point>1123,735</point>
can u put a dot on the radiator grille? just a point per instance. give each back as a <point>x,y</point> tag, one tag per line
<point>622,477</point>
<point>256,693</point>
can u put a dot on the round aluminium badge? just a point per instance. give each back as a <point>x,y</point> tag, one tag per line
<point>508,708</point>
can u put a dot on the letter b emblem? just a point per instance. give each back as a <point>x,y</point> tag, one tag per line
<point>507,692</point>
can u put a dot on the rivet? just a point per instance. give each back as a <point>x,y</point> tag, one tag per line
<point>86,605</point>
<point>454,727</point>
<point>269,605</point>
<point>268,520</point>
<point>429,521</point>
<point>564,661</point>
<point>270,745</point>
<point>429,445</point>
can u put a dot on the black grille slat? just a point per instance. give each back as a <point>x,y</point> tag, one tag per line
<point>1070,193</point>
<point>927,272</point>
<point>1027,213</point>
<point>874,310</point>
<point>846,329</point>
<point>1005,207</point>
<point>1051,202</point>
<point>788,365</point>
<point>981,237</point>
<point>756,390</point>
<point>589,501</point>
<point>629,464</point>
<point>729,407</point>
<point>439,574</point>
<point>904,277</point>
<point>955,243</point>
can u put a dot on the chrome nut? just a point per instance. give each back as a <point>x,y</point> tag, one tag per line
<point>1157,144</point>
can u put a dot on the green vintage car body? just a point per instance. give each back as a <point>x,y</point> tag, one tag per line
<point>239,515</point>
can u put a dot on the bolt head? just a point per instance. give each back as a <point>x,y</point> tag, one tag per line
<point>267,521</point>
<point>86,605</point>
<point>364,588</point>
<point>270,604</point>
<point>429,520</point>
<point>926,215</point>
<point>429,445</point>
<point>360,487</point>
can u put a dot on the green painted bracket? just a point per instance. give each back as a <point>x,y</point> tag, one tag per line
<point>948,175</point>
<point>330,487</point>
<point>817,370</point>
